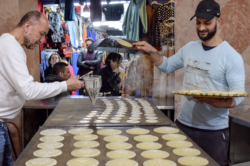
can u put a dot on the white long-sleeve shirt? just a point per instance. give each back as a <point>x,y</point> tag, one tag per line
<point>16,84</point>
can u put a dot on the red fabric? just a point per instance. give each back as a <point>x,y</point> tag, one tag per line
<point>41,9</point>
<point>102,64</point>
<point>77,9</point>
<point>72,75</point>
<point>40,6</point>
<point>66,47</point>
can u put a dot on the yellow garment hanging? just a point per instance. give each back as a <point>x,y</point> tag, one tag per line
<point>84,35</point>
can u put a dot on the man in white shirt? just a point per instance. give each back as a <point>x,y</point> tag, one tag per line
<point>16,84</point>
<point>210,64</point>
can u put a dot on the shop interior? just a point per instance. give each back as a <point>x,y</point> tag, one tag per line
<point>113,26</point>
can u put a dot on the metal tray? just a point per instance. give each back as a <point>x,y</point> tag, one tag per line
<point>69,141</point>
<point>74,110</point>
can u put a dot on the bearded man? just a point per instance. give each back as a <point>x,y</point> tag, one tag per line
<point>210,64</point>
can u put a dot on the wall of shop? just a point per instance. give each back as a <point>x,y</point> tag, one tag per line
<point>11,12</point>
<point>235,29</point>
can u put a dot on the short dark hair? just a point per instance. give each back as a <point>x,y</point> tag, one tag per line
<point>30,16</point>
<point>51,57</point>
<point>89,39</point>
<point>59,67</point>
<point>115,57</point>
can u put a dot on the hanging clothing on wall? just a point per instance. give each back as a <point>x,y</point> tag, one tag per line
<point>40,6</point>
<point>113,12</point>
<point>152,20</point>
<point>84,35</point>
<point>55,28</point>
<point>135,11</point>
<point>78,26</point>
<point>41,9</point>
<point>95,10</point>
<point>165,25</point>
<point>91,33</point>
<point>44,64</point>
<point>69,14</point>
<point>72,32</point>
<point>66,47</point>
<point>98,35</point>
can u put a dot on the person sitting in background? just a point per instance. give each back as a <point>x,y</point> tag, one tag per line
<point>110,74</point>
<point>60,73</point>
<point>89,60</point>
<point>54,58</point>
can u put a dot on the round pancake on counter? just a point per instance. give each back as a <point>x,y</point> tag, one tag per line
<point>115,138</point>
<point>99,121</point>
<point>171,137</point>
<point>117,154</point>
<point>118,146</point>
<point>51,144</point>
<point>133,121</point>
<point>83,162</point>
<point>149,146</point>
<point>159,162</point>
<point>166,130</point>
<point>109,132</point>
<point>186,152</point>
<point>151,118</point>
<point>146,138</point>
<point>53,132</point>
<point>85,152</point>
<point>179,144</point>
<point>85,137</point>
<point>84,121</point>
<point>49,138</point>
<point>41,162</point>
<point>47,152</point>
<point>86,144</point>
<point>114,121</point>
<point>137,131</point>
<point>80,131</point>
<point>154,154</point>
<point>121,162</point>
<point>151,121</point>
<point>193,161</point>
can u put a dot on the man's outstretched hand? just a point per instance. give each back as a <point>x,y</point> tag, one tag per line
<point>73,84</point>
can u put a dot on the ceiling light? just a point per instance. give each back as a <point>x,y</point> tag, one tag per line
<point>85,12</point>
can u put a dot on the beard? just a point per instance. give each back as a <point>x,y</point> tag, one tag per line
<point>209,36</point>
<point>29,46</point>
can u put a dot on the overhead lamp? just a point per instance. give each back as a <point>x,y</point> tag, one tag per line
<point>85,12</point>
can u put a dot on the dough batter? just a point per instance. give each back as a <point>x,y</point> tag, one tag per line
<point>85,152</point>
<point>109,132</point>
<point>86,144</point>
<point>193,161</point>
<point>85,137</point>
<point>41,162</point>
<point>53,132</point>
<point>148,146</point>
<point>121,162</point>
<point>118,146</point>
<point>83,162</point>
<point>137,131</point>
<point>121,154</point>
